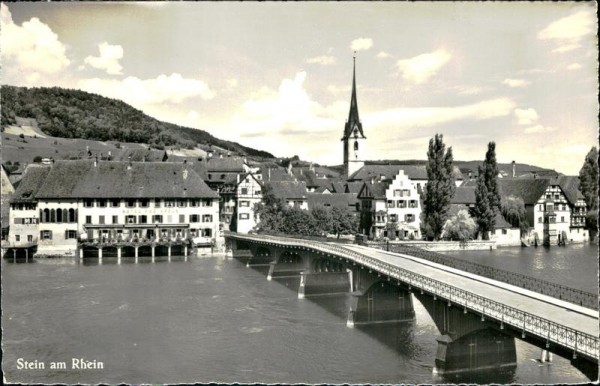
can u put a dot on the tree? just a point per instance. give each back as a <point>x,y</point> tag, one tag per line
<point>391,227</point>
<point>460,227</point>
<point>484,214</point>
<point>588,179</point>
<point>323,220</point>
<point>513,210</point>
<point>491,178</point>
<point>439,189</point>
<point>269,212</point>
<point>344,222</point>
<point>37,159</point>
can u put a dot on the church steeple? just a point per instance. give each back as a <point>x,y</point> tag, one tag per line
<point>354,139</point>
<point>353,118</point>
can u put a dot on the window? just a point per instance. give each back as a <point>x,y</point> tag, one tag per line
<point>542,207</point>
<point>131,203</point>
<point>557,196</point>
<point>413,204</point>
<point>244,191</point>
<point>130,219</point>
<point>115,219</point>
<point>397,193</point>
<point>504,231</point>
<point>355,145</point>
<point>194,218</point>
<point>207,202</point>
<point>409,217</point>
<point>101,219</point>
<point>71,234</point>
<point>540,220</point>
<point>17,237</point>
<point>169,203</point>
<point>181,203</point>
<point>29,238</point>
<point>390,204</point>
<point>207,232</point>
<point>72,215</point>
<point>101,203</point>
<point>157,202</point>
<point>157,218</point>
<point>144,203</point>
<point>393,217</point>
<point>207,218</point>
<point>244,203</point>
<point>88,219</point>
<point>193,232</point>
<point>193,203</point>
<point>210,176</point>
<point>143,219</point>
<point>46,235</point>
<point>181,218</point>
<point>88,203</point>
<point>401,203</point>
<point>562,218</point>
<point>244,216</point>
<point>115,203</point>
<point>257,192</point>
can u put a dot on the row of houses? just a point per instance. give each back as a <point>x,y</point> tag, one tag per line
<point>58,208</point>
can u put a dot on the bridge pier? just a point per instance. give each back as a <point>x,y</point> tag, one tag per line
<point>384,302</point>
<point>324,283</point>
<point>286,263</point>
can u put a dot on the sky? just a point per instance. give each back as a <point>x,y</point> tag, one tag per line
<point>278,76</point>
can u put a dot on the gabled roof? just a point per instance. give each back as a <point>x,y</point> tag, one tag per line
<point>288,189</point>
<point>353,187</point>
<point>81,179</point>
<point>529,189</point>
<point>414,172</point>
<point>374,190</point>
<point>32,180</point>
<point>225,164</point>
<point>243,177</point>
<point>275,174</point>
<point>343,200</point>
<point>570,186</point>
<point>464,195</point>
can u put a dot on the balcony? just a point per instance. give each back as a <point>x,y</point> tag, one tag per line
<point>19,244</point>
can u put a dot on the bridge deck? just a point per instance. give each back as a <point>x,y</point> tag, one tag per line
<point>560,312</point>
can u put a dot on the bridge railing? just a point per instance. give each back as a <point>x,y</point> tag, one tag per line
<point>572,295</point>
<point>526,322</point>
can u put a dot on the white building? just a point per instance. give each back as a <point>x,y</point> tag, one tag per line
<point>249,193</point>
<point>94,205</point>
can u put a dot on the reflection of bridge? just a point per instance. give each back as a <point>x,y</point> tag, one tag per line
<point>477,317</point>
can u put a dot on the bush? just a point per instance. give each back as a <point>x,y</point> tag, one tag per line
<point>459,227</point>
<point>37,159</point>
<point>21,136</point>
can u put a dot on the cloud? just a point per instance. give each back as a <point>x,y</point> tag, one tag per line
<point>324,60</point>
<point>537,129</point>
<point>332,88</point>
<point>232,83</point>
<point>287,110</point>
<point>568,31</point>
<point>361,44</point>
<point>526,116</point>
<point>574,66</point>
<point>575,149</point>
<point>108,59</point>
<point>163,89</point>
<point>31,48</point>
<point>516,82</point>
<point>383,55</point>
<point>432,116</point>
<point>420,68</point>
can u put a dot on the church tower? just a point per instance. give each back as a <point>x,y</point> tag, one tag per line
<point>354,138</point>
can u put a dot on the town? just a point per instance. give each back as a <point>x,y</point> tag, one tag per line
<point>100,205</point>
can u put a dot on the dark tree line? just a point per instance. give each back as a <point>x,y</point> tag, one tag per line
<point>78,114</point>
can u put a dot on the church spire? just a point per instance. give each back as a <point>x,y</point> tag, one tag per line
<point>353,118</point>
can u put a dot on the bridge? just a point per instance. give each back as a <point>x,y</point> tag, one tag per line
<point>478,317</point>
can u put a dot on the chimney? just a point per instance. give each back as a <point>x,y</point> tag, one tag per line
<point>220,155</point>
<point>470,175</point>
<point>269,169</point>
<point>514,170</point>
<point>96,161</point>
<point>534,175</point>
<point>372,180</point>
<point>130,163</point>
<point>185,164</point>
<point>238,178</point>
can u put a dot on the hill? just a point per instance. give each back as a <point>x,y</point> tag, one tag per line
<point>69,113</point>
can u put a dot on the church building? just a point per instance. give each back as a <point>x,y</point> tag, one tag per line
<point>354,139</point>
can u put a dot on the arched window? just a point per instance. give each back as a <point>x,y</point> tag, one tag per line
<point>52,215</point>
<point>59,215</point>
<point>72,215</point>
<point>46,215</point>
<point>355,145</point>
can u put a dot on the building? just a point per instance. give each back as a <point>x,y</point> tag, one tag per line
<point>386,171</point>
<point>549,208</point>
<point>354,138</point>
<point>249,193</point>
<point>292,193</point>
<point>8,190</point>
<point>88,207</point>
<point>390,208</point>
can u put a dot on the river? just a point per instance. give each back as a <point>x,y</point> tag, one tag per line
<point>212,319</point>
